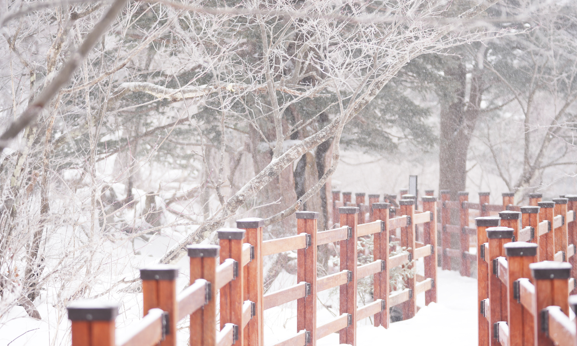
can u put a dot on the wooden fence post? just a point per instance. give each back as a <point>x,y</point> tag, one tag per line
<point>484,199</point>
<point>360,203</point>
<point>307,272</point>
<point>159,291</point>
<point>348,259</point>
<point>547,241</point>
<point>530,217</point>
<point>535,198</point>
<point>336,198</point>
<point>429,192</point>
<point>511,219</point>
<point>373,198</point>
<point>519,256</point>
<point>465,268</point>
<point>430,237</point>
<point>403,192</point>
<point>551,288</point>
<point>497,236</point>
<point>572,234</point>
<point>445,235</point>
<point>560,233</point>
<point>203,321</point>
<point>508,199</point>
<point>346,198</point>
<point>254,283</point>
<point>381,252</point>
<point>483,271</point>
<point>93,323</point>
<point>408,241</point>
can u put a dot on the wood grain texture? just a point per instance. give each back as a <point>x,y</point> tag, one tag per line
<point>254,288</point>
<point>381,280</point>
<point>547,241</point>
<point>445,236</point>
<point>465,267</point>
<point>274,246</point>
<point>336,325</point>
<point>408,241</point>
<point>572,239</point>
<point>561,231</point>
<point>430,237</point>
<point>482,284</point>
<point>284,296</point>
<point>203,321</point>
<point>148,331</point>
<point>333,235</point>
<point>237,296</point>
<point>543,298</point>
<point>333,280</point>
<point>348,291</point>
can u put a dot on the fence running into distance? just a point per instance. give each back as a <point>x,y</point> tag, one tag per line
<point>233,272</point>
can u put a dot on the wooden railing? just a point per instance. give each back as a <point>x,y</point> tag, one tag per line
<point>526,271</point>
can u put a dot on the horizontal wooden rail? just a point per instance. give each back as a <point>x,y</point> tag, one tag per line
<point>192,298</point>
<point>370,269</point>
<point>226,336</point>
<point>570,216</point>
<point>333,280</point>
<point>400,221</point>
<point>503,331</point>
<point>274,246</point>
<point>543,227</point>
<point>513,207</point>
<point>148,331</point>
<point>527,295</point>
<point>452,204</point>
<point>570,250</point>
<point>558,221</point>
<point>475,206</point>
<point>370,228</point>
<point>559,256</point>
<point>559,327</point>
<point>572,284</point>
<point>333,326</point>
<point>300,339</point>
<point>333,235</point>
<point>424,286</point>
<point>400,259</point>
<point>399,297</point>
<point>247,254</point>
<point>526,234</point>
<point>225,273</point>
<point>470,230</point>
<point>247,312</point>
<point>453,229</point>
<point>423,217</point>
<point>284,296</point>
<point>492,207</point>
<point>370,309</point>
<point>453,253</point>
<point>503,270</point>
<point>423,251</point>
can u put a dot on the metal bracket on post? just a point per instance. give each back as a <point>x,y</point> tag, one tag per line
<point>235,270</point>
<point>464,230</point>
<point>483,251</point>
<point>495,267</point>
<point>432,216</point>
<point>309,239</point>
<point>383,305</point>
<point>234,334</point>
<point>548,226</point>
<point>545,321</point>
<point>207,292</point>
<point>517,291</point>
<point>349,276</point>
<point>484,207</point>
<point>410,294</point>
<point>307,337</point>
<point>482,307</point>
<point>165,325</point>
<point>432,249</point>
<point>496,330</point>
<point>432,283</point>
<point>308,289</point>
<point>251,252</point>
<point>564,256</point>
<point>410,257</point>
<point>444,228</point>
<point>444,204</point>
<point>532,232</point>
<point>465,205</point>
<point>409,221</point>
<point>349,319</point>
<point>562,220</point>
<point>382,226</point>
<point>349,232</point>
<point>383,265</point>
<point>252,309</point>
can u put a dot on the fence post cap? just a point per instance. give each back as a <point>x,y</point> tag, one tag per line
<point>307,215</point>
<point>571,198</point>
<point>250,222</point>
<point>430,191</point>
<point>159,272</point>
<point>348,210</point>
<point>360,194</point>
<point>546,204</point>
<point>488,221</point>
<point>508,194</point>
<point>573,302</point>
<point>196,251</point>
<point>347,193</point>
<point>499,233</point>
<point>536,195</point>
<point>407,202</point>
<point>374,195</point>
<point>484,193</point>
<point>429,199</point>
<point>520,248</point>
<point>463,193</point>
<point>549,270</point>
<point>560,200</point>
<point>445,192</point>
<point>407,196</point>
<point>92,310</point>
<point>381,205</point>
<point>510,215</point>
<point>530,209</point>
<point>231,233</point>
<point>391,196</point>
<point>336,191</point>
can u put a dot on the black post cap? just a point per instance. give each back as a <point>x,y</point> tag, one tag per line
<point>381,205</point>
<point>499,233</point>
<point>92,310</point>
<point>406,202</point>
<point>520,248</point>
<point>547,204</point>
<point>196,251</point>
<point>429,199</point>
<point>392,196</point>
<point>429,191</point>
<point>488,221</point>
<point>571,198</point>
<point>509,215</point>
<point>407,196</point>
<point>374,195</point>
<point>159,272</point>
<point>549,270</point>
<point>530,209</point>
<point>573,302</point>
<point>347,193</point>
<point>231,233</point>
<point>250,222</point>
<point>462,193</point>
<point>336,191</point>
<point>484,193</point>
<point>560,200</point>
<point>307,215</point>
<point>536,195</point>
<point>360,194</point>
<point>508,194</point>
<point>348,210</point>
<point>445,192</point>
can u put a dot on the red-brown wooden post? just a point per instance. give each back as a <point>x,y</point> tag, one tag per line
<point>483,270</point>
<point>530,217</point>
<point>484,199</point>
<point>93,323</point>
<point>429,192</point>
<point>231,240</point>
<point>445,235</point>
<point>535,198</point>
<point>551,288</point>
<point>254,280</point>
<point>497,236</point>
<point>346,198</point>
<point>336,198</point>
<point>307,272</point>
<point>508,199</point>
<point>403,192</point>
<point>159,291</point>
<point>573,305</point>
<point>465,268</point>
<point>373,198</point>
<point>392,200</point>
<point>572,234</point>
<point>547,241</point>
<point>348,258</point>
<point>519,256</point>
<point>430,237</point>
<point>203,263</point>
<point>561,233</point>
<point>408,241</point>
<point>360,203</point>
<point>511,219</point>
<point>381,252</point>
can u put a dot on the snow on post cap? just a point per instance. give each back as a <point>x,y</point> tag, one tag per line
<point>347,193</point>
<point>374,195</point>
<point>307,215</point>
<point>549,270</point>
<point>571,198</point>
<point>430,191</point>
<point>536,195</point>
<point>520,248</point>
<point>159,272</point>
<point>92,310</point>
<point>348,210</point>
<point>407,202</point>
<point>530,209</point>
<point>508,194</point>
<point>509,215</point>
<point>407,196</point>
<point>462,193</point>
<point>546,204</point>
<point>499,233</point>
<point>381,205</point>
<point>360,194</point>
<point>231,233</point>
<point>429,199</point>
<point>445,192</point>
<point>484,193</point>
<point>560,200</point>
<point>249,222</point>
<point>196,251</point>
<point>488,221</point>
<point>336,191</point>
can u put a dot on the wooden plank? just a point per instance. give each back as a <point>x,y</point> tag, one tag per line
<point>332,280</point>
<point>430,238</point>
<point>527,295</point>
<point>191,299</point>
<point>452,204</point>
<point>513,207</point>
<point>399,297</point>
<point>237,290</point>
<point>493,207</point>
<point>465,266</point>
<point>300,339</point>
<point>202,326</point>
<point>561,329</point>
<point>148,331</point>
<point>423,251</point>
<point>503,270</point>
<point>559,257</point>
<point>348,292</point>
<point>369,228</point>
<point>225,336</point>
<point>381,252</point>
<point>570,251</point>
<point>456,229</point>
<point>246,313</point>
<point>274,246</point>
<point>526,234</point>
<point>369,310</point>
<point>423,286</point>
<point>333,326</point>
<point>571,216</point>
<point>397,260</point>
<point>332,235</point>
<point>225,273</point>
<point>475,206</point>
<point>543,227</point>
<point>307,272</point>
<point>423,217</point>
<point>453,253</point>
<point>558,221</point>
<point>284,296</point>
<point>470,230</point>
<point>445,236</point>
<point>369,269</point>
<point>397,222</point>
<point>503,334</point>
<point>246,251</point>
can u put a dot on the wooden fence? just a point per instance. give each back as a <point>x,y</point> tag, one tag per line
<point>233,272</point>
<point>526,271</point>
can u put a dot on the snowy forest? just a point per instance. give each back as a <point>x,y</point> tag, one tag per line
<point>131,129</point>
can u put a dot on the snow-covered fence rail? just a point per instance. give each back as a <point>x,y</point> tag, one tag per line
<point>526,271</point>
<point>238,282</point>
